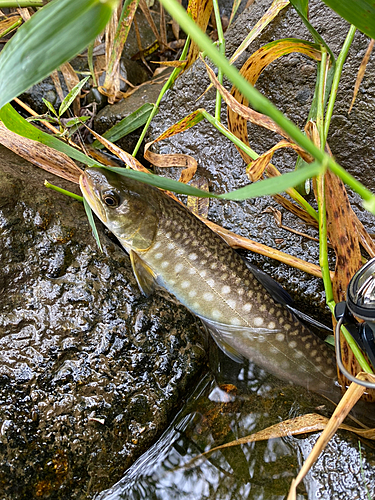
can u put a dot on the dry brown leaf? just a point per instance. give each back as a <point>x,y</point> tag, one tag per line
<point>199,206</point>
<point>7,23</point>
<point>127,158</point>
<point>188,163</point>
<point>33,113</point>
<point>171,64</point>
<point>361,72</point>
<point>252,69</point>
<point>163,28</point>
<point>200,11</point>
<point>24,13</point>
<point>295,209</point>
<point>56,81</point>
<point>342,233</point>
<point>48,159</point>
<point>71,80</point>
<point>236,241</point>
<point>304,424</point>
<point>242,110</point>
<point>255,168</point>
<point>146,12</point>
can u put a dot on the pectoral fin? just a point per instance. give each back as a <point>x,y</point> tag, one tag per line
<point>144,275</point>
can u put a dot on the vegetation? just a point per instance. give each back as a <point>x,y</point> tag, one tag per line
<point>63,28</point>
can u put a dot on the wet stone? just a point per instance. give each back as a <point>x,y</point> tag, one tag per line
<point>91,372</point>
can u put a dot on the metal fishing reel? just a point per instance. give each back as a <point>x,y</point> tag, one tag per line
<point>360,302</point>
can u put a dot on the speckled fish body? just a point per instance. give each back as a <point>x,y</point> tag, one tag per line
<point>171,248</point>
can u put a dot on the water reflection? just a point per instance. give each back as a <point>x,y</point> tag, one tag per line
<point>230,402</point>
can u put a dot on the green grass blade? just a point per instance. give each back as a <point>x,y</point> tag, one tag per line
<point>361,13</point>
<point>71,96</point>
<point>56,33</point>
<point>127,125</point>
<point>262,188</point>
<point>301,7</point>
<point>92,223</point>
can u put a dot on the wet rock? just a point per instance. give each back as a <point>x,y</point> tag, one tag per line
<point>90,371</point>
<point>289,83</point>
<point>112,114</point>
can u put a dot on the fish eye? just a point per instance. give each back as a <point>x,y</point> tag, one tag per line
<point>111,199</point>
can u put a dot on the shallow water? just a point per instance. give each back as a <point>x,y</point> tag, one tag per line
<point>233,401</point>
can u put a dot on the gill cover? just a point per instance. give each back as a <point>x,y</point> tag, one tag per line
<point>129,209</point>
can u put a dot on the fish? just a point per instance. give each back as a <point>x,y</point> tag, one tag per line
<point>171,249</point>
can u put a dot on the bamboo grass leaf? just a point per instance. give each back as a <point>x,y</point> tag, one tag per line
<point>55,34</point>
<point>71,96</point>
<point>360,13</point>
<point>127,125</point>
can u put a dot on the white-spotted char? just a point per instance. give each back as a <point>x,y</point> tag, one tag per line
<point>169,247</point>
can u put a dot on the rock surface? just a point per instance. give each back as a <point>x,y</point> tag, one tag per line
<point>90,371</point>
<point>289,83</point>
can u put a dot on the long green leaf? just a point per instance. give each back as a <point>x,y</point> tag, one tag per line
<point>127,125</point>
<point>14,122</point>
<point>262,188</point>
<point>92,223</point>
<point>55,34</point>
<point>301,6</point>
<point>361,13</point>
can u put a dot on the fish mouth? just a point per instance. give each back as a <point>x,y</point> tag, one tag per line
<point>89,193</point>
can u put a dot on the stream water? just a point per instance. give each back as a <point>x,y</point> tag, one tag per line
<point>230,402</point>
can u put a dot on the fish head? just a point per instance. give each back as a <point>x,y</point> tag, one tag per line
<point>128,208</point>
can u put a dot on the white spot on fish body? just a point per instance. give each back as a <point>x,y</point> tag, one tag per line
<point>225,289</point>
<point>185,284</point>
<point>258,321</point>
<point>192,270</point>
<point>192,293</point>
<point>293,344</point>
<point>157,245</point>
<point>178,267</point>
<point>193,256</point>
<point>298,354</point>
<point>308,345</point>
<point>271,325</point>
<point>231,303</point>
<point>164,264</point>
<point>179,252</point>
<point>313,353</point>
<point>247,307</point>
<point>216,314</point>
<point>210,282</point>
<point>170,246</point>
<point>235,321</point>
<point>285,364</point>
<point>262,308</point>
<point>208,296</point>
<point>203,273</point>
<point>280,337</point>
<point>158,255</point>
